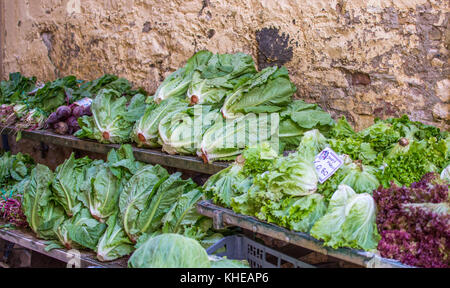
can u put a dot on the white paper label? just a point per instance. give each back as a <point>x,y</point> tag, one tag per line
<point>85,102</point>
<point>327,163</point>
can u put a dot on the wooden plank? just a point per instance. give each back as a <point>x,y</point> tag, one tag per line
<point>151,156</point>
<point>226,217</point>
<point>26,239</point>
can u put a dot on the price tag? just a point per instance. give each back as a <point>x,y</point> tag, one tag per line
<point>327,163</point>
<point>85,102</point>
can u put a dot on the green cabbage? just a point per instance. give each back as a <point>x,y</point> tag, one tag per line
<point>112,119</point>
<point>223,72</point>
<point>349,221</point>
<point>169,251</point>
<point>177,84</point>
<point>181,132</point>
<point>228,138</point>
<point>266,92</point>
<point>145,132</point>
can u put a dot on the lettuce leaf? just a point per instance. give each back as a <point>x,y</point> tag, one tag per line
<point>296,213</point>
<point>258,159</point>
<point>181,132</point>
<point>136,196</point>
<point>266,92</point>
<point>300,117</point>
<point>158,205</point>
<point>85,230</point>
<point>226,139</point>
<point>145,132</point>
<point>221,187</point>
<point>177,83</point>
<point>223,72</point>
<point>114,243</point>
<point>112,119</point>
<point>104,182</point>
<point>41,211</point>
<point>349,221</point>
<point>67,181</point>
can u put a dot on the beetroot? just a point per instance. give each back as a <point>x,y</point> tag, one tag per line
<point>73,124</point>
<point>87,111</point>
<point>52,119</point>
<point>61,128</point>
<point>78,112</point>
<point>63,113</point>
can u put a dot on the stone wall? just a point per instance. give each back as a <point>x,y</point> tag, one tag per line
<point>362,59</point>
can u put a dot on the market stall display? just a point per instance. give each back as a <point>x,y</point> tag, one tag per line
<point>388,196</point>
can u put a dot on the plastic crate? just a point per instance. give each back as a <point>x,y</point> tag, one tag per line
<point>238,247</point>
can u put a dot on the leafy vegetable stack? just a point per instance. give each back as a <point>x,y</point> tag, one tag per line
<point>113,117</point>
<point>414,222</point>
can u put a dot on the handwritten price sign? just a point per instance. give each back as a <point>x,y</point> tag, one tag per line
<point>327,163</point>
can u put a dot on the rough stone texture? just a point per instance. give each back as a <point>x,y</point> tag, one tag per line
<point>361,59</point>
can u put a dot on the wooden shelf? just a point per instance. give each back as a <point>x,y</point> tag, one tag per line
<point>152,156</point>
<point>225,217</point>
<point>26,239</point>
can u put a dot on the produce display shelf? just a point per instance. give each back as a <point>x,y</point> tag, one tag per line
<point>152,156</point>
<point>225,217</point>
<point>84,259</point>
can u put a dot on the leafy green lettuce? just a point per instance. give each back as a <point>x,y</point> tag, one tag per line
<point>258,159</point>
<point>226,139</point>
<point>66,184</point>
<point>223,72</point>
<point>361,178</point>
<point>181,132</point>
<point>41,211</point>
<point>266,92</point>
<point>177,83</point>
<point>221,187</point>
<point>104,182</point>
<point>296,213</point>
<point>145,132</point>
<point>85,230</point>
<point>136,197</point>
<point>291,175</point>
<point>349,221</point>
<point>298,118</point>
<point>150,219</point>
<point>114,243</point>
<point>112,119</point>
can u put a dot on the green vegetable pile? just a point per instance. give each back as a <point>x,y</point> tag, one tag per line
<point>285,190</point>
<point>110,207</point>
